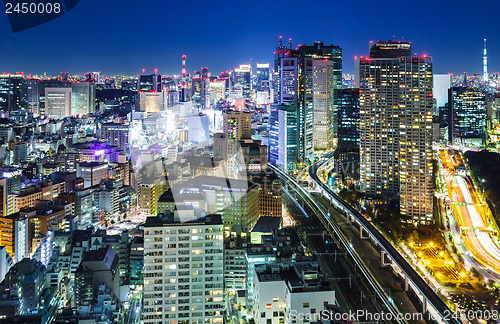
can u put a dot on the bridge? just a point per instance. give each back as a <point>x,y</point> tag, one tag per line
<point>432,305</point>
<point>383,302</point>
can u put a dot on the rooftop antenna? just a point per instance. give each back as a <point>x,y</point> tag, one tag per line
<point>485,63</point>
<point>184,71</point>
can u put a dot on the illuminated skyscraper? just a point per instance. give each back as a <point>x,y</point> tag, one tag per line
<point>150,82</point>
<point>311,76</point>
<point>485,63</point>
<point>242,79</point>
<point>83,98</point>
<point>11,92</point>
<point>441,85</point>
<point>323,105</point>
<point>396,127</point>
<point>262,76</point>
<point>467,116</point>
<point>116,135</point>
<point>58,102</point>
<point>237,125</point>
<point>347,152</point>
<point>283,136</point>
<point>183,276</point>
<point>32,96</point>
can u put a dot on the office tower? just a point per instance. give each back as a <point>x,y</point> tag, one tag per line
<point>150,191</point>
<point>467,116</point>
<point>218,87</point>
<point>262,76</point>
<point>198,129</point>
<point>323,105</point>
<point>116,135</point>
<point>14,235</point>
<point>347,152</point>
<point>288,81</point>
<point>283,136</point>
<point>149,83</point>
<point>12,92</point>
<point>270,194</point>
<point>151,102</point>
<point>416,180</point>
<point>442,83</point>
<point>32,96</point>
<point>237,125</point>
<point>92,172</point>
<point>313,83</point>
<point>311,76</point>
<point>19,152</point>
<point>242,79</point>
<point>396,127</point>
<point>82,98</point>
<point>58,102</point>
<point>199,85</point>
<point>485,64</point>
<point>183,270</point>
<point>42,84</point>
<point>280,53</point>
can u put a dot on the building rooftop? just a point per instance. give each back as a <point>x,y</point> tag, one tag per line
<point>168,220</point>
<point>267,224</point>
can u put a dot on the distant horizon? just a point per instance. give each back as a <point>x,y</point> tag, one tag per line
<point>124,38</point>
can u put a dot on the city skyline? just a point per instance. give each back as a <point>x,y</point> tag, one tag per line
<point>119,46</point>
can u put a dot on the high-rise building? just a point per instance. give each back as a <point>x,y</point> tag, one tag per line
<point>151,101</point>
<point>396,127</point>
<point>218,87</point>
<point>242,79</point>
<point>311,77</point>
<point>323,104</point>
<point>12,92</point>
<point>262,76</point>
<point>237,125</point>
<point>183,270</point>
<point>347,152</point>
<point>467,116</point>
<point>92,172</point>
<point>82,98</point>
<point>326,88</point>
<point>442,83</point>
<point>116,135</point>
<point>32,96</point>
<point>485,64</point>
<point>58,102</point>
<point>283,136</point>
<point>415,158</point>
<point>199,87</point>
<point>199,128</point>
<point>150,190</point>
<point>42,84</point>
<point>149,83</point>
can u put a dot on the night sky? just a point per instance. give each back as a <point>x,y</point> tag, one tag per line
<point>124,36</point>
